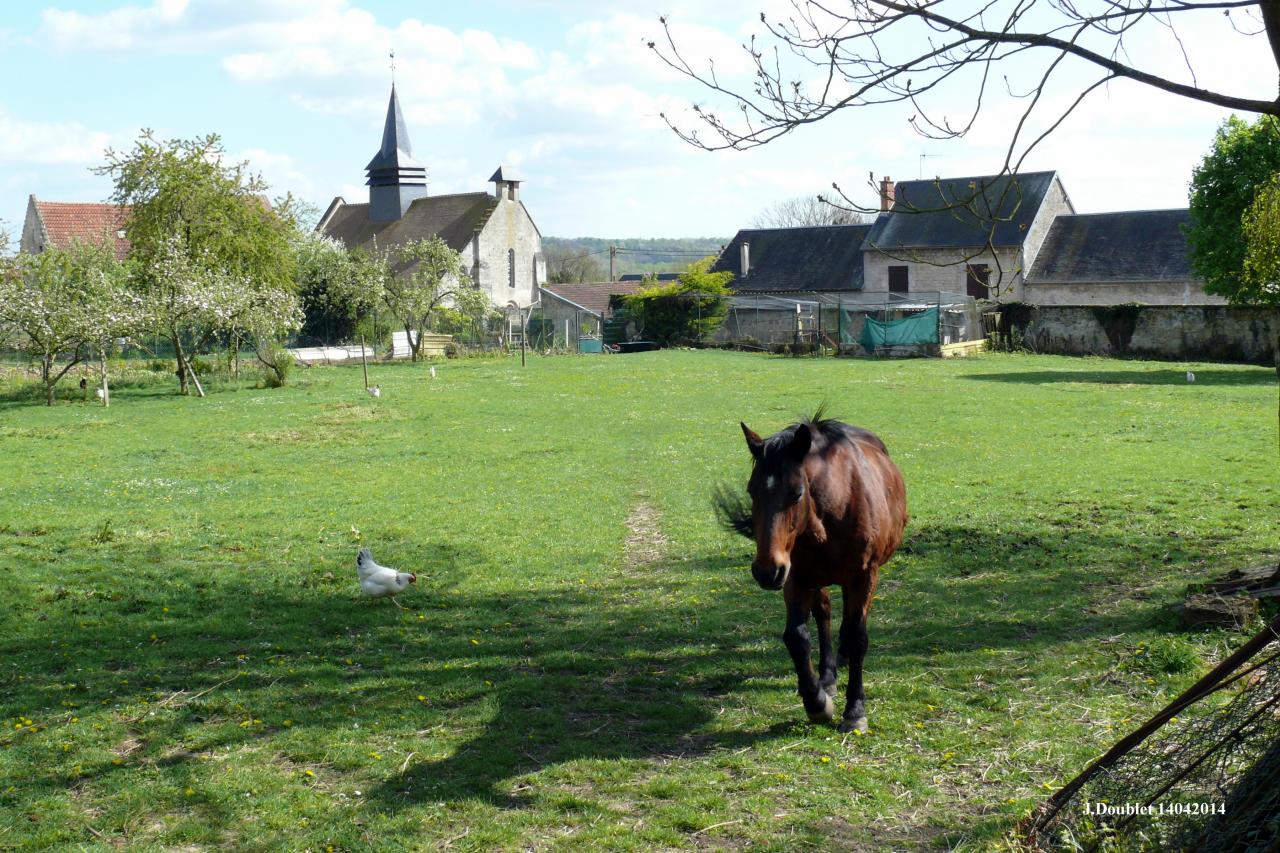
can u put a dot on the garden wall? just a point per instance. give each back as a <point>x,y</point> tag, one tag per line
<point>1178,332</point>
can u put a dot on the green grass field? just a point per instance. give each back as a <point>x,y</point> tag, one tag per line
<point>585,663</point>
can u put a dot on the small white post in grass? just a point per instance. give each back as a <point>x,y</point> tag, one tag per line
<point>364,363</point>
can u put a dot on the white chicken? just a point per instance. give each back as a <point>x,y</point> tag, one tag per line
<point>380,581</point>
<point>375,391</point>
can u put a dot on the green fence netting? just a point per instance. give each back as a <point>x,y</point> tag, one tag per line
<point>917,329</point>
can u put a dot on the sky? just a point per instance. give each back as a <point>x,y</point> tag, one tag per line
<point>567,92</point>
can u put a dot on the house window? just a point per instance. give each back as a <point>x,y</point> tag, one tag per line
<point>979,277</point>
<point>897,279</point>
<point>511,267</point>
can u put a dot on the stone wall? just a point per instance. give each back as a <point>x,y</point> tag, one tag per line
<point>1178,332</point>
<point>509,227</point>
<point>1185,292</point>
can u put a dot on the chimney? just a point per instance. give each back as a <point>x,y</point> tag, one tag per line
<point>744,257</point>
<point>886,193</point>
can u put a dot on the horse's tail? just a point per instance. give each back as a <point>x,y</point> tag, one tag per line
<point>733,510</point>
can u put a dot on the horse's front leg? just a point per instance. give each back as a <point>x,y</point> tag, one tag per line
<point>817,703</point>
<point>853,646</point>
<point>826,656</point>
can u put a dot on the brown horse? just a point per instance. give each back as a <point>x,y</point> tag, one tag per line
<point>828,506</point>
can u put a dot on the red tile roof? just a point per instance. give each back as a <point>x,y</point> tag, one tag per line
<point>67,221</point>
<point>593,296</point>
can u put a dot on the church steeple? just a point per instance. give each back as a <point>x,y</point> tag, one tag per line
<point>395,178</point>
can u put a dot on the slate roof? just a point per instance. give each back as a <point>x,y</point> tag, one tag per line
<point>90,222</point>
<point>1131,245</point>
<point>593,296</point>
<point>396,152</point>
<point>959,212</point>
<point>455,218</point>
<point>818,257</point>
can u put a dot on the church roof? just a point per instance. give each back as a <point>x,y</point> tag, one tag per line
<point>1131,245</point>
<point>455,218</point>
<point>961,212</point>
<point>396,153</point>
<point>815,257</point>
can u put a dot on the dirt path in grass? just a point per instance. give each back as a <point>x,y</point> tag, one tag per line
<point>645,542</point>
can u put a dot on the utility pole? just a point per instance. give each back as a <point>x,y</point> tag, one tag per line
<point>613,253</point>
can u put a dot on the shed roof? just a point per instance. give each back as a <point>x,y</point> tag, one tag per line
<point>814,257</point>
<point>92,222</point>
<point>961,212</point>
<point>594,295</point>
<point>1131,245</point>
<point>455,218</point>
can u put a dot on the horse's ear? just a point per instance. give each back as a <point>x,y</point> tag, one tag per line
<point>801,442</point>
<point>754,442</point>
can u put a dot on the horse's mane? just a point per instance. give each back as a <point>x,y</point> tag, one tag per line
<point>733,507</point>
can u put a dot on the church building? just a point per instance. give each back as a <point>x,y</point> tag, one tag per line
<point>498,240</point>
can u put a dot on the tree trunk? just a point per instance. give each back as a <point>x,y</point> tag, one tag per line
<point>182,362</point>
<point>414,344</point>
<point>46,376</point>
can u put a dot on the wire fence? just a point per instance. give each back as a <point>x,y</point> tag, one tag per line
<point>880,324</point>
<point>921,323</point>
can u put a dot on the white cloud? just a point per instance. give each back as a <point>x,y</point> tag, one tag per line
<point>63,143</point>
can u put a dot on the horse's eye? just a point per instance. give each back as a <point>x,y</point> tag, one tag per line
<point>795,495</point>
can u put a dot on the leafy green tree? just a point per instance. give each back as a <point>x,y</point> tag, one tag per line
<point>1261,227</point>
<point>1245,157</point>
<point>688,310</point>
<point>183,196</point>
<point>337,287</point>
<point>421,277</point>
<point>110,311</point>
<point>466,313</point>
<point>67,305</point>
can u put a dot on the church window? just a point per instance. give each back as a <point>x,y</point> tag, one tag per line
<point>511,267</point>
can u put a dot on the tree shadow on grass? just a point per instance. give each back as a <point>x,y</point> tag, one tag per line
<point>1240,376</point>
<point>518,682</point>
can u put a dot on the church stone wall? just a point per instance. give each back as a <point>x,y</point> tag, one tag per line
<point>509,227</point>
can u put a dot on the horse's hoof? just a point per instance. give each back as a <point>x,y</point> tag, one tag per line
<point>826,713</point>
<point>856,725</point>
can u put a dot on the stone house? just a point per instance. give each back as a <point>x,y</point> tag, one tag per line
<point>1007,238</point>
<point>59,224</point>
<point>494,233</point>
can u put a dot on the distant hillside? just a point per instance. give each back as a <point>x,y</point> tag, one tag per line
<point>636,255</point>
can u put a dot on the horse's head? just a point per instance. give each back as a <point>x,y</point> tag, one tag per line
<point>782,508</point>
